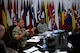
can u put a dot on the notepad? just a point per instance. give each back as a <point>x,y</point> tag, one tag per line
<point>36,37</point>
<point>62,52</point>
<point>37,51</point>
<point>30,49</point>
<point>33,40</point>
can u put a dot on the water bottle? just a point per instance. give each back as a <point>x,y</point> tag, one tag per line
<point>44,44</point>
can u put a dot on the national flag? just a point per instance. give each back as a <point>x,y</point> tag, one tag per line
<point>0,11</point>
<point>75,14</point>
<point>53,12</point>
<point>22,9</point>
<point>65,17</point>
<point>32,10</point>
<point>43,11</point>
<point>43,15</point>
<point>38,12</point>
<point>35,2</point>
<point>15,6</point>
<point>30,14</point>
<point>46,11</point>
<point>9,7</point>
<point>27,19</point>
<point>26,14</point>
<point>68,20</point>
<point>51,15</point>
<point>4,15</point>
<point>14,17</point>
<point>17,9</point>
<point>60,16</point>
<point>73,20</point>
<point>62,13</point>
<point>13,12</point>
<point>51,9</point>
<point>54,26</point>
<point>56,14</point>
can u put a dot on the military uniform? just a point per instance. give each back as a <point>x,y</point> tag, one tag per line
<point>42,28</point>
<point>17,31</point>
<point>2,47</point>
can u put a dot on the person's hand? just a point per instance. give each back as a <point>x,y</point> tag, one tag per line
<point>27,30</point>
<point>33,28</point>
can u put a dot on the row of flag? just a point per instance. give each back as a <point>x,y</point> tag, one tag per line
<point>58,14</point>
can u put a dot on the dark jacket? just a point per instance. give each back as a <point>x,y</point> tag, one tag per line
<point>2,47</point>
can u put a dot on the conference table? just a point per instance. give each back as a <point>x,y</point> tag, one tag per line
<point>35,43</point>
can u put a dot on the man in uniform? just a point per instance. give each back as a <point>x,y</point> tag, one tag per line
<point>19,33</point>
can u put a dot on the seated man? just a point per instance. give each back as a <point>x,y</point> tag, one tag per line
<point>19,33</point>
<point>3,48</point>
<point>2,44</point>
<point>42,27</point>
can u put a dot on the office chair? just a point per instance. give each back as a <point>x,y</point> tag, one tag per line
<point>74,39</point>
<point>10,31</point>
<point>12,43</point>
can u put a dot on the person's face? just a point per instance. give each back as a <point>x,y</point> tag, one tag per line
<point>21,23</point>
<point>2,32</point>
<point>42,21</point>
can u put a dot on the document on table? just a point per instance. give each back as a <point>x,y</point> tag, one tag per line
<point>33,40</point>
<point>62,52</point>
<point>31,49</point>
<point>47,32</point>
<point>57,31</point>
<point>37,37</point>
<point>37,51</point>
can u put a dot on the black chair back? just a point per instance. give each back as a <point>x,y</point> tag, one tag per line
<point>10,31</point>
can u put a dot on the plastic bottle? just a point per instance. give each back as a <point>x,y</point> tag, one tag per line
<point>44,44</point>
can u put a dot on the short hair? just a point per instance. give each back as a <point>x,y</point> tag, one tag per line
<point>19,19</point>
